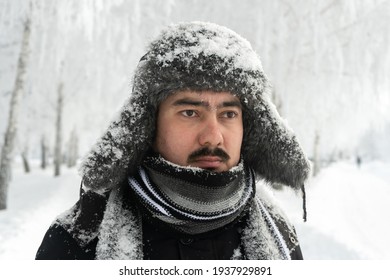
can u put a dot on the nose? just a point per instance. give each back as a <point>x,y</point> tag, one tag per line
<point>211,133</point>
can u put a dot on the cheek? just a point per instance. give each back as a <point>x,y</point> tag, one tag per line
<point>177,140</point>
<point>234,142</point>
<point>172,143</point>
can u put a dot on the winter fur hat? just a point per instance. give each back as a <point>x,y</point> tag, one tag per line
<point>197,56</point>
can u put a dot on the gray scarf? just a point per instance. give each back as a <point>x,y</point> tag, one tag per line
<point>192,200</point>
<point>120,233</point>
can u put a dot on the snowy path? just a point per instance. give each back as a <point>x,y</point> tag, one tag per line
<point>348,211</point>
<point>34,201</point>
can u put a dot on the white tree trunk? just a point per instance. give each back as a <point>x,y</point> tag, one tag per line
<point>316,154</point>
<point>58,142</point>
<point>72,149</point>
<point>10,134</point>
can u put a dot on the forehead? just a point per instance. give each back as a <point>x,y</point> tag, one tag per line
<point>205,98</point>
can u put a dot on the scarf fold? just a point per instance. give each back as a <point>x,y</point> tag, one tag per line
<point>192,200</point>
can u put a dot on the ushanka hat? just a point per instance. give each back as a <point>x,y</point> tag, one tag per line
<point>197,56</point>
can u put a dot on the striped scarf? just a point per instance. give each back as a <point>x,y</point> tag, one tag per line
<point>192,200</point>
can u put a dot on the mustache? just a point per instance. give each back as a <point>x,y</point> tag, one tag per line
<point>218,152</point>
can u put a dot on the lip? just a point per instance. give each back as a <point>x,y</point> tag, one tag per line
<point>208,162</point>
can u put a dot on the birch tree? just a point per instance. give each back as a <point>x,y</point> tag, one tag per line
<point>26,164</point>
<point>316,154</point>
<point>12,126</point>
<point>72,153</point>
<point>58,127</point>
<point>43,152</point>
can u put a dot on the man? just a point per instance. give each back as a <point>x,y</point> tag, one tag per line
<point>174,177</point>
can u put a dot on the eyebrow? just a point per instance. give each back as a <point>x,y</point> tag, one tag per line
<point>196,103</point>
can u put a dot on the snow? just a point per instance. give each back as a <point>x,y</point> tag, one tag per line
<point>119,234</point>
<point>228,45</point>
<point>347,211</point>
<point>35,200</point>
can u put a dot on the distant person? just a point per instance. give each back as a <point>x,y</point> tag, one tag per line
<point>182,172</point>
<point>358,161</point>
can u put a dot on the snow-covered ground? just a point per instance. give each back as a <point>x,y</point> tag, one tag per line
<point>348,211</point>
<point>35,199</point>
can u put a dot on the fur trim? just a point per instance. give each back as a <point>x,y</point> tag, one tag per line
<point>198,56</point>
<point>120,236</point>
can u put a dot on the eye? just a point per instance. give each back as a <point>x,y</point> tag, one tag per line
<point>229,114</point>
<point>188,113</point>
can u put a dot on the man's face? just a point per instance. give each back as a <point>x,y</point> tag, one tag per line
<point>200,129</point>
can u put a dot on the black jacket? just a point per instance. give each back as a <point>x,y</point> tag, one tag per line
<point>59,245</point>
<point>159,241</point>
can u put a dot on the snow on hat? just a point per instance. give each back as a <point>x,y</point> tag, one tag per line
<point>198,56</point>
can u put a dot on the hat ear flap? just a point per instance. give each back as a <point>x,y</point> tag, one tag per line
<point>270,146</point>
<point>122,146</point>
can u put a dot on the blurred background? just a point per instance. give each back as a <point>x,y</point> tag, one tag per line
<point>66,68</point>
